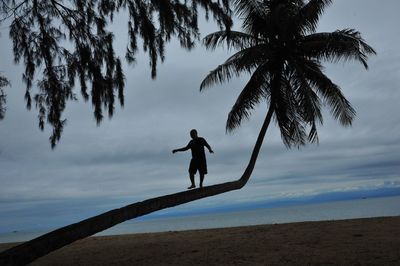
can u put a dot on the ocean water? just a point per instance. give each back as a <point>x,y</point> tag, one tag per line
<point>338,210</point>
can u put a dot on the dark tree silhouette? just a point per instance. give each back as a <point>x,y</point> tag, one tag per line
<point>283,54</point>
<point>3,82</point>
<point>281,50</point>
<point>71,41</point>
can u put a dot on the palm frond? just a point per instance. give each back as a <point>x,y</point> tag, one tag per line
<point>310,13</point>
<point>339,45</point>
<point>243,61</point>
<point>249,8</point>
<point>341,108</point>
<point>233,39</point>
<point>288,115</point>
<point>313,134</point>
<point>308,102</point>
<point>253,13</point>
<point>252,94</point>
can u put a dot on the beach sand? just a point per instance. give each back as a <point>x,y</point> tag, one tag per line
<point>373,241</point>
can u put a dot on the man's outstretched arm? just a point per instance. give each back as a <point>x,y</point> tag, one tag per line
<point>181,149</point>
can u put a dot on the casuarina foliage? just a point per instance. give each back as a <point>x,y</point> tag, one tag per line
<point>69,40</point>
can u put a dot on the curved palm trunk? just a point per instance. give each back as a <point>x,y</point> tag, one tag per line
<point>38,247</point>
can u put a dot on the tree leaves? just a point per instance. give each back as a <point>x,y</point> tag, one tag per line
<point>3,97</point>
<point>281,34</point>
<point>70,39</point>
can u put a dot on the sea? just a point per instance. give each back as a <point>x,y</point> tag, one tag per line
<point>337,210</point>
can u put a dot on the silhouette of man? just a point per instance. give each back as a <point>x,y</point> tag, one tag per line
<point>198,162</point>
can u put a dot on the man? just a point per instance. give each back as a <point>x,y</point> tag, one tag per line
<point>198,162</point>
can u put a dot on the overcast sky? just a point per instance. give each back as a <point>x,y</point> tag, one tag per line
<point>128,158</point>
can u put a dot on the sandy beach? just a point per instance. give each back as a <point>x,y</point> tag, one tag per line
<point>373,241</point>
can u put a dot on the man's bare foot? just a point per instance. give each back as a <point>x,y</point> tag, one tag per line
<point>192,186</point>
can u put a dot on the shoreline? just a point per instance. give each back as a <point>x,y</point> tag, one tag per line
<point>366,241</point>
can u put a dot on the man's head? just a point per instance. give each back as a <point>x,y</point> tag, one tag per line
<point>193,133</point>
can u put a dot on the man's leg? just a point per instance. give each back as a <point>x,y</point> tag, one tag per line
<point>201,179</point>
<point>192,171</point>
<point>192,181</point>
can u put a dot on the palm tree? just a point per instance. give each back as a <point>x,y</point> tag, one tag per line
<point>281,50</point>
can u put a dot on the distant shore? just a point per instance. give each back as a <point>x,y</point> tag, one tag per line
<point>372,241</point>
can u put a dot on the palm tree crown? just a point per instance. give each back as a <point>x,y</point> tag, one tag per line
<point>281,50</point>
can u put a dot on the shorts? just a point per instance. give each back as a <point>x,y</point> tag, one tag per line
<point>198,165</point>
